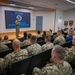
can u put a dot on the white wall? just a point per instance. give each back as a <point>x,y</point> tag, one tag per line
<point>69,15</point>
<point>2,19</point>
<point>59,23</point>
<point>48,19</point>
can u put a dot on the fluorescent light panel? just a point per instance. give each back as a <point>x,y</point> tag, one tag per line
<point>70,1</point>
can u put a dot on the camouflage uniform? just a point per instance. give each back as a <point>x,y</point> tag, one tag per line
<point>34,49</point>
<point>5,42</point>
<point>70,55</point>
<point>39,35</point>
<point>3,47</point>
<point>11,57</point>
<point>59,40</point>
<point>26,42</point>
<point>54,69</point>
<point>47,46</point>
<point>17,28</point>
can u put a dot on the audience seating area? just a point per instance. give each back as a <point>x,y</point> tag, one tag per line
<point>25,66</point>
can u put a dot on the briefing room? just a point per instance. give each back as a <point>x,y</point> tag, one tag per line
<point>37,37</point>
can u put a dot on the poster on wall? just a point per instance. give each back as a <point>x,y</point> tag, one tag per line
<point>65,23</point>
<point>10,18</point>
<point>70,22</point>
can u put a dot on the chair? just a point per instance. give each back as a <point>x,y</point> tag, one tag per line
<point>73,72</point>
<point>9,45</point>
<point>4,53</point>
<point>20,67</point>
<point>40,38</point>
<point>41,42</point>
<point>46,57</point>
<point>36,61</point>
<point>67,44</point>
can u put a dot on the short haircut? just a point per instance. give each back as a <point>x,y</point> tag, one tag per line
<point>5,37</point>
<point>0,38</point>
<point>25,34</point>
<point>59,31</point>
<point>59,51</point>
<point>48,38</point>
<point>38,31</point>
<point>29,35</point>
<point>33,38</point>
<point>50,30</point>
<point>16,43</point>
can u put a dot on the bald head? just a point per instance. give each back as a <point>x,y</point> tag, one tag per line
<point>16,44</point>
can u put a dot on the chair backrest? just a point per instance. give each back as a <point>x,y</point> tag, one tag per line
<point>4,53</point>
<point>41,42</point>
<point>20,67</point>
<point>22,47</point>
<point>36,61</point>
<point>73,72</point>
<point>9,45</point>
<point>40,38</point>
<point>47,57</point>
<point>67,44</point>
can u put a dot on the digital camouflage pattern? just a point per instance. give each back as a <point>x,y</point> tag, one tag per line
<point>34,49</point>
<point>70,55</point>
<point>3,47</point>
<point>54,69</point>
<point>47,46</point>
<point>11,57</point>
<point>26,42</point>
<point>5,42</point>
<point>59,40</point>
<point>39,35</point>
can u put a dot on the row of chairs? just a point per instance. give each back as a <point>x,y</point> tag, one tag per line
<point>25,66</point>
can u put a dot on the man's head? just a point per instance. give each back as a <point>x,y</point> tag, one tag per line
<point>70,32</point>
<point>50,31</point>
<point>58,54</point>
<point>16,44</point>
<point>73,40</point>
<point>59,32</point>
<point>33,39</point>
<point>29,36</point>
<point>47,39</point>
<point>25,34</point>
<point>5,37</point>
<point>39,32</point>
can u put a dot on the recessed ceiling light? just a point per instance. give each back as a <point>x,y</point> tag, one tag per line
<point>31,7</point>
<point>12,4</point>
<point>70,1</point>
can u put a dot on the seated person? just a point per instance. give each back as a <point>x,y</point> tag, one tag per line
<point>25,35</point>
<point>50,32</point>
<point>6,40</point>
<point>2,46</point>
<point>70,53</point>
<point>48,44</point>
<point>69,38</point>
<point>16,55</point>
<point>59,67</point>
<point>39,34</point>
<point>44,34</point>
<point>27,42</point>
<point>34,48</point>
<point>59,39</point>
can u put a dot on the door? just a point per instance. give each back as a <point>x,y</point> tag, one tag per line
<point>39,23</point>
